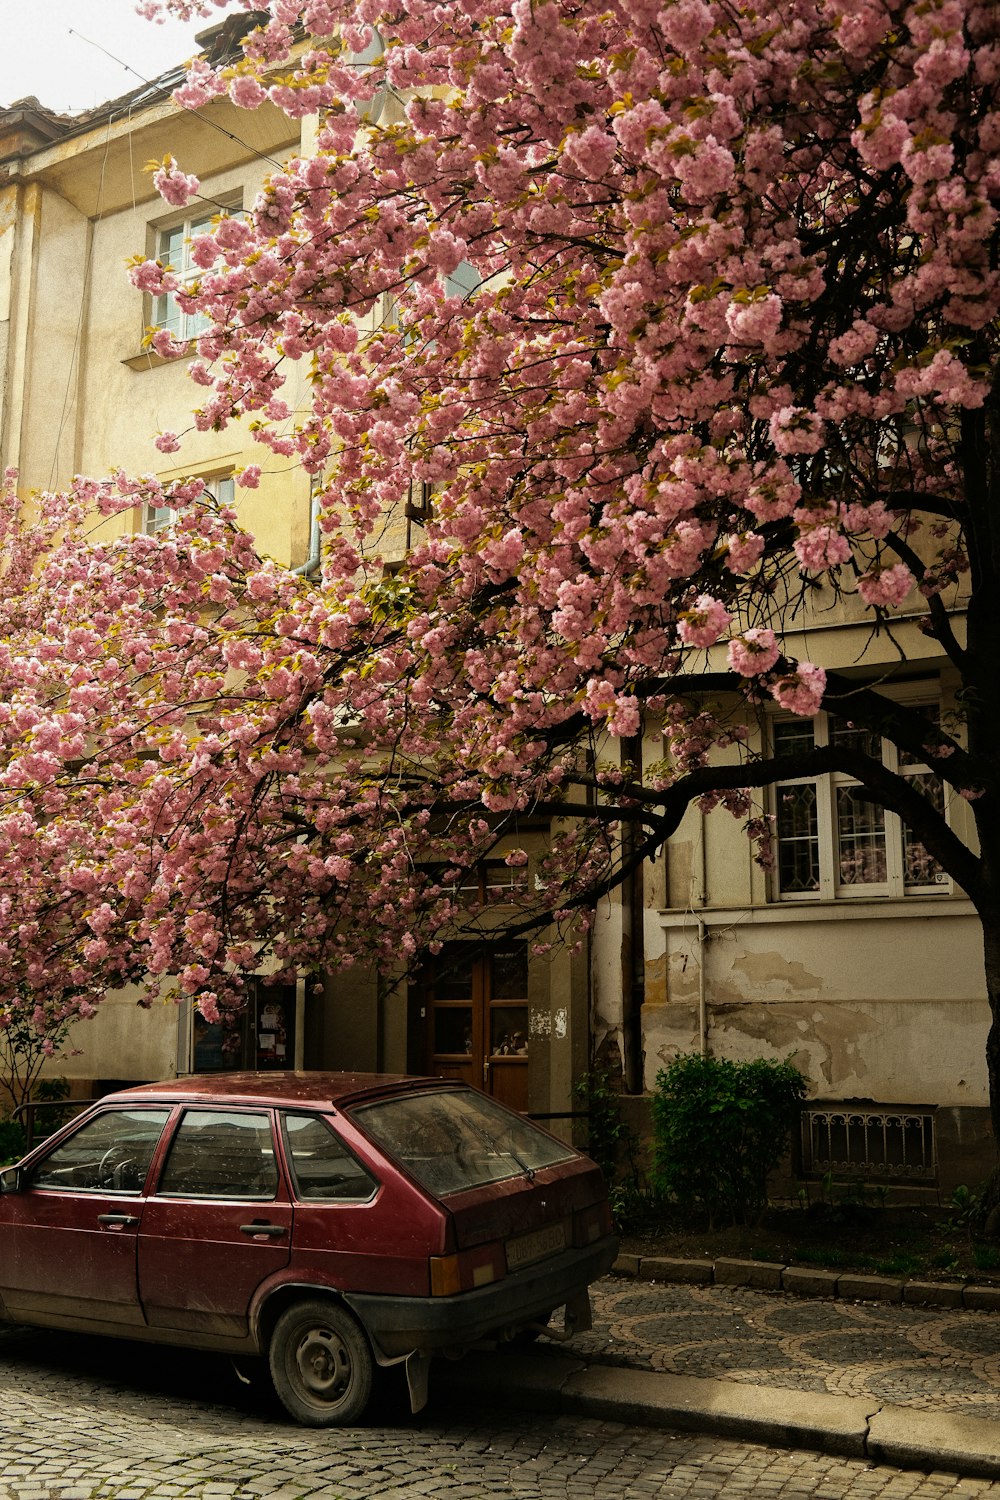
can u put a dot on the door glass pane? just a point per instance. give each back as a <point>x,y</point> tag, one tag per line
<point>110,1154</point>
<point>453,980</point>
<point>453,1029</point>
<point>509,973</point>
<point>509,1031</point>
<point>861,839</point>
<point>218,1154</point>
<point>798,839</point>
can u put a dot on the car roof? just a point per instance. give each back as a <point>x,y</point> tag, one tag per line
<point>321,1090</point>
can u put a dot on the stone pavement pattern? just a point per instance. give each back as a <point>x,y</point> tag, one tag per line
<point>927,1358</point>
<point>85,1419</point>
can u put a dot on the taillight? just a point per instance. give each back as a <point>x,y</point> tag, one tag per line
<point>467,1270</point>
<point>592,1224</point>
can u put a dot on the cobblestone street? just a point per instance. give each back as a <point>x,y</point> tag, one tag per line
<point>82,1418</point>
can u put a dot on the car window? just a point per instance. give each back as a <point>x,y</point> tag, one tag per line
<point>322,1166</point>
<point>111,1153</point>
<point>221,1154</point>
<point>458,1139</point>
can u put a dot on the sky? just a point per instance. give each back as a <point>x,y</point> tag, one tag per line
<point>50,48</point>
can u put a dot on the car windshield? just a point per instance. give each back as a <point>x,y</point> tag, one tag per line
<point>458,1139</point>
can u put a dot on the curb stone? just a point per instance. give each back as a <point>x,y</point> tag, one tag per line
<point>806,1282</point>
<point>848,1426</point>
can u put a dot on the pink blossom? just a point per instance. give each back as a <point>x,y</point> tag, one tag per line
<point>744,551</point>
<point>795,430</point>
<point>685,23</point>
<point>590,152</point>
<point>755,321</point>
<point>704,622</point>
<point>886,586</point>
<point>173,185</point>
<point>753,652</point>
<point>820,547</point>
<point>247,93</point>
<point>802,691</point>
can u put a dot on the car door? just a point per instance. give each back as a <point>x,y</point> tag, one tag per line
<point>68,1235</point>
<point>217,1224</point>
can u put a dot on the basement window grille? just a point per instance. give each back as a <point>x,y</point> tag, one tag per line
<point>869,1144</point>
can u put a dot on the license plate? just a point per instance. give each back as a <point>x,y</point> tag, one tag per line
<point>536,1245</point>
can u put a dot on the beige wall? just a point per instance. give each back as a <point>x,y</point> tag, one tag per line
<point>77,395</point>
<point>122,1041</point>
<point>883,1002</point>
<point>81,395</point>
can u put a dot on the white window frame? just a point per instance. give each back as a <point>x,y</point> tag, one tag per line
<point>157,518</point>
<point>830,885</point>
<point>166,312</point>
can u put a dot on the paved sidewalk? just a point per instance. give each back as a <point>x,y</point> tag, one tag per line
<point>913,1385</point>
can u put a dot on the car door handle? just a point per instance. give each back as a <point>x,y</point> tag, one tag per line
<point>265,1231</point>
<point>118,1221</point>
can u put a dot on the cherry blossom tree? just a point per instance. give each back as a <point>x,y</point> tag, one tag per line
<point>729,361</point>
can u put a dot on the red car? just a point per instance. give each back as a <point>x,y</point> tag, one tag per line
<point>330,1222</point>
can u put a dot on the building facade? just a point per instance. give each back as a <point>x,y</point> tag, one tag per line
<point>855,956</point>
<point>79,394</point>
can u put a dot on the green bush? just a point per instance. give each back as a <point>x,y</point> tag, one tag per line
<point>614,1145</point>
<point>11,1142</point>
<point>719,1129</point>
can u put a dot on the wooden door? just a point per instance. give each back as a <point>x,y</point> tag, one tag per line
<point>474,1006</point>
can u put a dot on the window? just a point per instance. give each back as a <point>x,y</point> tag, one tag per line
<point>110,1154</point>
<point>493,883</point>
<point>831,842</point>
<point>173,248</point>
<point>322,1166</point>
<point>459,1139</point>
<point>261,1037</point>
<point>218,1154</point>
<point>156,518</point>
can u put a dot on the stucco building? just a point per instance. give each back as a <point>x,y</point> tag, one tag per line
<point>856,956</point>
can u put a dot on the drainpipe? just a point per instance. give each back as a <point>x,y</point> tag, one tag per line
<point>702,942</point>
<point>634,969</point>
<point>702,1002</point>
<point>312,562</point>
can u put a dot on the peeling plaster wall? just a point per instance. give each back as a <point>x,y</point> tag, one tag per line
<point>886,1003</point>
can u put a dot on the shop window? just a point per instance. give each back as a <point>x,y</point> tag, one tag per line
<point>261,1038</point>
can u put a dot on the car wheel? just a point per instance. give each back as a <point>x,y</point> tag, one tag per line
<point>321,1364</point>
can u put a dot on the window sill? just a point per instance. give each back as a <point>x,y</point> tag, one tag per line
<point>839,909</point>
<point>148,359</point>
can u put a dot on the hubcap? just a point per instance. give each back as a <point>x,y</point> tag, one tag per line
<point>324,1364</point>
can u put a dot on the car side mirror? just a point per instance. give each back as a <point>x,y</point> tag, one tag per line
<point>11,1180</point>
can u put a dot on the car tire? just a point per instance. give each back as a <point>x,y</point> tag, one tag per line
<point>321,1363</point>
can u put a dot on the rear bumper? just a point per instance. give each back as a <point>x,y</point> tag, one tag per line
<point>401,1325</point>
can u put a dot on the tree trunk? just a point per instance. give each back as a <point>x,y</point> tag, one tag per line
<point>988,1215</point>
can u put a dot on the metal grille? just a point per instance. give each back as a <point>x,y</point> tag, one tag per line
<point>886,1145</point>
